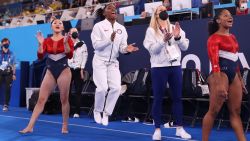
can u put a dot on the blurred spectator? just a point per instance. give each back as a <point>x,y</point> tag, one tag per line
<point>40,9</point>
<point>82,2</point>
<point>225,1</point>
<point>141,10</point>
<point>139,7</point>
<point>167,4</point>
<point>70,3</point>
<point>215,2</point>
<point>198,3</point>
<point>88,2</point>
<point>241,7</point>
<point>75,4</point>
<point>48,9</point>
<point>56,5</point>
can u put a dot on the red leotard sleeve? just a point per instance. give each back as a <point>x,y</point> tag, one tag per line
<point>71,45</point>
<point>40,55</point>
<point>213,53</point>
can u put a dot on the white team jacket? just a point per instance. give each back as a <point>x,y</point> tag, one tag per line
<point>104,48</point>
<point>157,47</point>
<point>80,56</point>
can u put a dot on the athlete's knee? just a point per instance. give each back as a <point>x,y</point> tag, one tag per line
<point>116,88</point>
<point>235,111</point>
<point>213,112</point>
<point>101,89</point>
<point>41,100</point>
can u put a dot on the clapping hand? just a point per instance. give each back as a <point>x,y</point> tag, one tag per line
<point>132,48</point>
<point>167,36</point>
<point>176,30</point>
<point>66,38</point>
<point>40,37</point>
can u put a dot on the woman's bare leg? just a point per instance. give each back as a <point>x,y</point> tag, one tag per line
<point>234,107</point>
<point>48,84</point>
<point>64,85</point>
<point>215,103</point>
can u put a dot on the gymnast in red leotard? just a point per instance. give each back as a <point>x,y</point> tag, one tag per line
<point>59,48</point>
<point>225,81</point>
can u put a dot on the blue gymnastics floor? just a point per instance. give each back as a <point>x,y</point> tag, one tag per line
<point>48,128</point>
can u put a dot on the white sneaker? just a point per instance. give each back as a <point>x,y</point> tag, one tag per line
<point>76,115</point>
<point>98,117</point>
<point>157,135</point>
<point>5,108</point>
<point>136,120</point>
<point>180,132</point>
<point>105,119</point>
<point>169,125</point>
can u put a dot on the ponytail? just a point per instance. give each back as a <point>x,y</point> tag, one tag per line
<point>213,26</point>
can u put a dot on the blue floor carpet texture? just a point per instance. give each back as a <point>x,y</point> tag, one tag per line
<point>48,128</point>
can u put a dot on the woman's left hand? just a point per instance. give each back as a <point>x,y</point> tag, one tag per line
<point>176,30</point>
<point>66,38</point>
<point>132,48</point>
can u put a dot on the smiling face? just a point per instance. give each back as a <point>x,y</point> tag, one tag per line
<point>57,26</point>
<point>110,12</point>
<point>225,19</point>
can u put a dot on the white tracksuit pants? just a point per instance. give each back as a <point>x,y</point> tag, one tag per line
<point>106,75</point>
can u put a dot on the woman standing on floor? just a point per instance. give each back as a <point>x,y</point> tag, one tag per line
<point>77,65</point>
<point>108,39</point>
<point>164,42</point>
<point>59,48</point>
<point>225,80</point>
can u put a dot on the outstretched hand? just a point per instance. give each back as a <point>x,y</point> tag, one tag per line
<point>39,37</point>
<point>132,48</point>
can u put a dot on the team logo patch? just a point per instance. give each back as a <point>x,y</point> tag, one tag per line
<point>119,31</point>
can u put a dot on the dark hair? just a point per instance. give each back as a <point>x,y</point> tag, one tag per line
<point>5,39</point>
<point>237,3</point>
<point>213,26</point>
<point>54,20</point>
<point>100,12</point>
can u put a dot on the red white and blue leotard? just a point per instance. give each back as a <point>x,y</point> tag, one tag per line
<point>222,46</point>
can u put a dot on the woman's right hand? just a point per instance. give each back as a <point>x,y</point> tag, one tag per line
<point>39,37</point>
<point>167,37</point>
<point>218,81</point>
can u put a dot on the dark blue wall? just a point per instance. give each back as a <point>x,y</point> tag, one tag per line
<point>196,32</point>
<point>24,44</point>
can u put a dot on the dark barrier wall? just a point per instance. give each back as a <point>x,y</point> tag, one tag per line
<point>24,45</point>
<point>195,56</point>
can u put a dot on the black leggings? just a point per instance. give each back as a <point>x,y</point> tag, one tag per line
<point>78,83</point>
<point>7,78</point>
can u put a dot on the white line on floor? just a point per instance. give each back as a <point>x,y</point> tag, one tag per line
<point>99,128</point>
